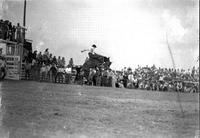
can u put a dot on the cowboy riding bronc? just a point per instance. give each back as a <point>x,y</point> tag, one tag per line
<point>94,56</point>
<point>91,50</point>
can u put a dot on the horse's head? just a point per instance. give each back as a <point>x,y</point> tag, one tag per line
<point>106,59</point>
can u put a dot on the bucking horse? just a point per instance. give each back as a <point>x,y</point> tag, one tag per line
<point>95,61</point>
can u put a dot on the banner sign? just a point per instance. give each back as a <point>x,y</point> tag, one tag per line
<point>3,48</point>
<point>13,67</point>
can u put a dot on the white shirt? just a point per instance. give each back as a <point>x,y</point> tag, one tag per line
<point>92,50</point>
<point>130,77</point>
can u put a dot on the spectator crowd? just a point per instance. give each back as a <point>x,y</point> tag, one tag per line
<point>147,78</point>
<point>157,79</point>
<point>10,32</point>
<point>42,63</point>
<point>45,66</point>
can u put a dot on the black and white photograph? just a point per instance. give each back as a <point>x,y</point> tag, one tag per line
<point>99,69</point>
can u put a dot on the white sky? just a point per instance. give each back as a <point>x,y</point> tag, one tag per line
<point>131,32</point>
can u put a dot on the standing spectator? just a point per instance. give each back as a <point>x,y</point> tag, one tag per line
<point>2,64</point>
<point>53,72</point>
<point>34,55</point>
<point>9,31</point>
<point>54,61</point>
<point>193,72</point>
<point>109,77</point>
<point>71,63</point>
<point>34,65</point>
<point>27,70</point>
<point>6,25</point>
<point>46,56</point>
<point>4,29</point>
<point>130,80</point>
<point>1,29</point>
<point>105,78</point>
<point>28,58</point>
<point>125,79</point>
<point>91,80</point>
<point>135,82</point>
<point>63,62</point>
<point>46,52</point>
<point>59,62</point>
<point>112,78</point>
<point>43,72</point>
<point>50,59</point>
<point>188,72</point>
<point>13,31</point>
<point>19,29</point>
<point>98,76</point>
<point>39,58</point>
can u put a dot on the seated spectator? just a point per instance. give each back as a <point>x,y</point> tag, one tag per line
<point>120,84</point>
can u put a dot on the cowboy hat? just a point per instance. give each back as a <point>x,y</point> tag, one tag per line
<point>94,46</point>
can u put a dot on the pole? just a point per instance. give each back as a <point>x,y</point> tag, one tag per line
<point>24,19</point>
<point>23,41</point>
<point>170,52</point>
<point>174,67</point>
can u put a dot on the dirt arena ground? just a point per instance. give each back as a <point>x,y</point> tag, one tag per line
<point>45,110</point>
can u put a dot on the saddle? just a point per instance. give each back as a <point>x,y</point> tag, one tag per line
<point>97,57</point>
